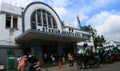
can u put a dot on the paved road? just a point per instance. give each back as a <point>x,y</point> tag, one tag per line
<point>106,67</point>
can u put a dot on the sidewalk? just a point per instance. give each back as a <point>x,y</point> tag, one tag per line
<point>65,67</point>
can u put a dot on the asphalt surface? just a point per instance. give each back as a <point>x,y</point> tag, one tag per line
<point>103,67</point>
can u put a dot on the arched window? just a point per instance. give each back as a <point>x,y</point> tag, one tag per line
<point>43,18</point>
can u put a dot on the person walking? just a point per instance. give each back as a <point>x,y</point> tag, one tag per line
<point>22,63</point>
<point>53,59</point>
<point>70,58</point>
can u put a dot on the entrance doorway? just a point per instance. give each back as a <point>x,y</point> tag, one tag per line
<point>66,51</point>
<point>48,51</point>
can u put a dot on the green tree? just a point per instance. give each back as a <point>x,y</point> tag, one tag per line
<point>99,39</point>
<point>96,38</point>
<point>90,29</point>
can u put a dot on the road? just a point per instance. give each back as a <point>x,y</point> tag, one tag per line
<point>106,67</point>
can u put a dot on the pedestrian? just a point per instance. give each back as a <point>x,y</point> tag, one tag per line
<point>31,61</point>
<point>18,59</point>
<point>63,60</point>
<point>22,63</point>
<point>70,58</point>
<point>45,58</point>
<point>53,59</point>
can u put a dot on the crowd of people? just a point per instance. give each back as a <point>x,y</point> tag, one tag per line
<point>31,62</point>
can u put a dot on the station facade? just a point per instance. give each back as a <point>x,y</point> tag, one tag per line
<point>36,29</point>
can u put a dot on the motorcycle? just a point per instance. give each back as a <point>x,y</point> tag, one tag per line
<point>117,56</point>
<point>79,62</point>
<point>108,57</point>
<point>88,60</point>
<point>36,66</point>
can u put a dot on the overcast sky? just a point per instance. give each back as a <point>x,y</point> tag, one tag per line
<point>103,15</point>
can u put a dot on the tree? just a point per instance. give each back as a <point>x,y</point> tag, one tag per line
<point>99,39</point>
<point>89,29</point>
<point>96,38</point>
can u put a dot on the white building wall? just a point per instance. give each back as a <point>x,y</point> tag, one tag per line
<point>0,4</point>
<point>108,45</point>
<point>19,31</point>
<point>11,9</point>
<point>5,33</point>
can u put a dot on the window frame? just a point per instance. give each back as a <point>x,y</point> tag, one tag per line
<point>8,24</point>
<point>47,20</point>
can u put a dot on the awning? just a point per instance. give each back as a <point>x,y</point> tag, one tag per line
<point>89,44</point>
<point>34,34</point>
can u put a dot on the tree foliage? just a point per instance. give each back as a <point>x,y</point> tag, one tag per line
<point>89,29</point>
<point>99,39</point>
<point>96,38</point>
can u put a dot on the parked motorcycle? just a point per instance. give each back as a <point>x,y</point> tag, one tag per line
<point>91,61</point>
<point>79,62</point>
<point>117,56</point>
<point>36,66</point>
<point>108,57</point>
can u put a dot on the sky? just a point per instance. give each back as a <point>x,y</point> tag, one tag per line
<point>103,15</point>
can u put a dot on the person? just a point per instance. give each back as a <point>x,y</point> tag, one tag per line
<point>53,59</point>
<point>87,51</point>
<point>101,51</point>
<point>31,60</point>
<point>45,58</point>
<point>22,63</point>
<point>70,58</point>
<point>18,59</point>
<point>37,66</point>
<point>63,60</point>
<point>79,56</point>
<point>113,49</point>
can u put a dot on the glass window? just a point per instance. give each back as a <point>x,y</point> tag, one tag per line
<point>43,18</point>
<point>44,21</point>
<point>33,19</point>
<point>33,25</point>
<point>8,21</point>
<point>15,22</point>
<point>49,22</point>
<point>11,22</point>
<point>54,23</point>
<point>39,18</point>
<point>70,29</point>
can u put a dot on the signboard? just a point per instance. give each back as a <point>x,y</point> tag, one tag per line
<point>11,57</point>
